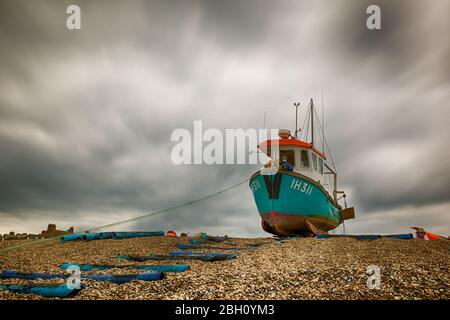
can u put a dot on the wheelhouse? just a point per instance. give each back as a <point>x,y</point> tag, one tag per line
<point>304,157</point>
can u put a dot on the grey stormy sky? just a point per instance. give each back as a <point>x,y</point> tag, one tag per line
<point>86,116</point>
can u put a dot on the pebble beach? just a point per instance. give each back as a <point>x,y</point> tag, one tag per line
<point>301,268</point>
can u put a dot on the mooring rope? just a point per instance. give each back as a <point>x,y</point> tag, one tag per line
<point>171,208</point>
<point>131,219</point>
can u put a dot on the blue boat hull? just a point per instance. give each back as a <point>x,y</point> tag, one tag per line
<point>292,204</point>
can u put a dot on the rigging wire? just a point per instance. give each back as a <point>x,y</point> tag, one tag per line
<point>303,127</point>
<point>306,125</point>
<point>131,219</point>
<point>172,208</point>
<point>326,144</point>
<point>306,132</point>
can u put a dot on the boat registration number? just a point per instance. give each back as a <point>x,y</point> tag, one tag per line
<point>255,185</point>
<point>301,186</point>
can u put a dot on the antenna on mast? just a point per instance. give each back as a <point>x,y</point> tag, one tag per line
<point>296,105</point>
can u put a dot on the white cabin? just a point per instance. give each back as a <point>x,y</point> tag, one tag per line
<point>305,158</point>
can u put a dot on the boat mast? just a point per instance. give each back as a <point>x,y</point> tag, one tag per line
<point>322,126</point>
<point>296,104</point>
<point>312,122</point>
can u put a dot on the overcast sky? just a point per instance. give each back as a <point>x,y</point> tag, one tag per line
<point>86,115</point>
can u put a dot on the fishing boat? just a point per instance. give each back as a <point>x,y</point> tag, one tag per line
<point>296,191</point>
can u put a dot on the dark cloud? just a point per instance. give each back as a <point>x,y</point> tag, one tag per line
<point>86,116</point>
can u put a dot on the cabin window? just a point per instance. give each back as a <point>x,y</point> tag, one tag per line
<point>314,160</point>
<point>289,154</point>
<point>304,161</point>
<point>320,165</point>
